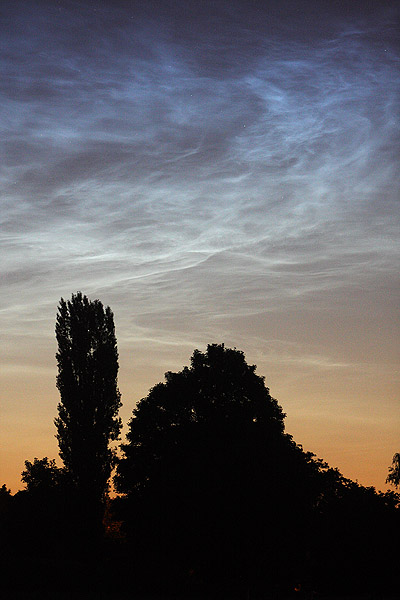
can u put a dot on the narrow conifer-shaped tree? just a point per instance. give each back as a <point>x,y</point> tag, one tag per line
<point>87,419</point>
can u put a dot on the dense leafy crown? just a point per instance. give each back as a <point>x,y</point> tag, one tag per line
<point>218,393</point>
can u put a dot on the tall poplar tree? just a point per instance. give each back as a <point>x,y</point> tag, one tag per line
<point>87,419</point>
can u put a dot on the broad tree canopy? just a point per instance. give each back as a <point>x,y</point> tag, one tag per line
<point>208,471</point>
<point>218,395</point>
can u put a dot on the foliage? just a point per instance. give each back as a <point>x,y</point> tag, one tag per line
<point>5,500</point>
<point>216,488</point>
<point>87,360</point>
<point>4,491</point>
<point>352,534</point>
<point>394,471</point>
<point>42,474</point>
<point>216,481</point>
<point>219,391</point>
<point>219,500</point>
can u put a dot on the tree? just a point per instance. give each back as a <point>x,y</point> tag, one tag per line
<point>394,471</point>
<point>87,419</point>
<point>219,391</point>
<point>42,474</point>
<point>4,491</point>
<point>218,495</point>
<point>5,499</point>
<point>207,465</point>
<point>45,511</point>
<point>354,545</point>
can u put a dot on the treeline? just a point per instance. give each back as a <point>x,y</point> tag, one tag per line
<point>217,500</point>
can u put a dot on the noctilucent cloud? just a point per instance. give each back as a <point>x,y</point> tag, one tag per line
<point>215,172</point>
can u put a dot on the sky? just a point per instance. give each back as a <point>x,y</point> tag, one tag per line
<point>215,172</point>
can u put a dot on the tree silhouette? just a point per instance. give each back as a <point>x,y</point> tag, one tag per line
<point>5,500</point>
<point>87,360</point>
<point>219,391</point>
<point>41,474</point>
<point>219,487</point>
<point>353,537</point>
<point>394,471</point>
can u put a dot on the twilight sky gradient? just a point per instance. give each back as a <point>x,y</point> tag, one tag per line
<point>222,171</point>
